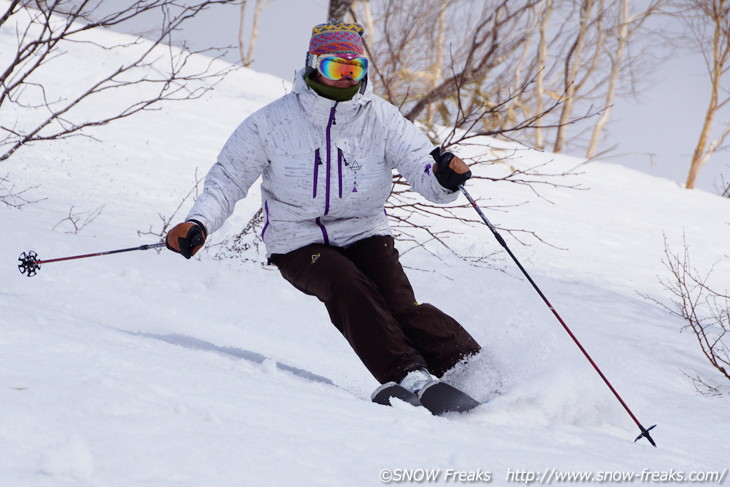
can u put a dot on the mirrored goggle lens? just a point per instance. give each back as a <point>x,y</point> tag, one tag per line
<point>336,68</point>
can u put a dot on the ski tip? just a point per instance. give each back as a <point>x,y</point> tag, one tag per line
<point>645,434</point>
<point>441,398</point>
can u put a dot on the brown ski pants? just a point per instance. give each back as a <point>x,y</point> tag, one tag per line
<point>371,302</point>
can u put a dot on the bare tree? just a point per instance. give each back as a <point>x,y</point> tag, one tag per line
<point>13,197</point>
<point>705,310</point>
<point>486,46</point>
<point>422,53</point>
<point>246,245</point>
<point>554,64</point>
<point>724,189</point>
<point>168,220</point>
<point>626,25</point>
<point>78,220</point>
<point>337,9</point>
<point>546,10</point>
<point>709,21</point>
<point>33,108</point>
<point>246,55</point>
<point>416,220</point>
<point>573,63</point>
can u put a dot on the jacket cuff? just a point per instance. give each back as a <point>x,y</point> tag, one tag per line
<point>202,226</point>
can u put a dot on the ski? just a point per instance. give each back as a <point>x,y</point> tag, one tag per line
<point>438,397</point>
<point>386,392</point>
<point>441,398</point>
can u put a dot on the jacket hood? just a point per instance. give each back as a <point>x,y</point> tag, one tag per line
<point>318,107</point>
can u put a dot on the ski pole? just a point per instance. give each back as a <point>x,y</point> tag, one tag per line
<point>30,264</point>
<point>644,431</point>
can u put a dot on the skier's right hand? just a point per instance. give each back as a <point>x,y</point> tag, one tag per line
<point>186,238</point>
<point>450,171</point>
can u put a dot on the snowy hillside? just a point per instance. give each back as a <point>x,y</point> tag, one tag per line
<point>143,369</point>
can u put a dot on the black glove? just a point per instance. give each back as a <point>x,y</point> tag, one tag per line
<point>186,238</point>
<point>450,170</point>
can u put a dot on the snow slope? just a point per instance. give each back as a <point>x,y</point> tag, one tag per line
<point>148,370</point>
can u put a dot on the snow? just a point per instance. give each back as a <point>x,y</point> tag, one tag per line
<point>145,369</point>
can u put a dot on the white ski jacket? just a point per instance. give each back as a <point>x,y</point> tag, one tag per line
<point>326,167</point>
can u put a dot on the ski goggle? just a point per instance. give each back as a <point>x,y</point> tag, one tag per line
<point>339,66</point>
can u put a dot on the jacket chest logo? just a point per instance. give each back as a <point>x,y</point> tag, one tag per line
<point>353,166</point>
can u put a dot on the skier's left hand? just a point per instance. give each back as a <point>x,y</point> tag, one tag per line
<point>450,170</point>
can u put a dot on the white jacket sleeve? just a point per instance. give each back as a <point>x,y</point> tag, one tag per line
<point>408,151</point>
<point>240,163</point>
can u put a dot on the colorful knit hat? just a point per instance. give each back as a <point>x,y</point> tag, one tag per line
<point>336,36</point>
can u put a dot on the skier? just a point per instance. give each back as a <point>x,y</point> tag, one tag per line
<point>326,151</point>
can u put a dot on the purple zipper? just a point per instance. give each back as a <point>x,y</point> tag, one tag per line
<point>329,157</point>
<point>317,162</point>
<point>266,225</point>
<point>326,237</point>
<point>340,158</point>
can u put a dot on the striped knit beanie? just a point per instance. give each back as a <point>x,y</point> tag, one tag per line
<point>336,36</point>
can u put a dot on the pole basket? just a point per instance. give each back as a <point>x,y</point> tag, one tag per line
<point>645,434</point>
<point>28,263</point>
